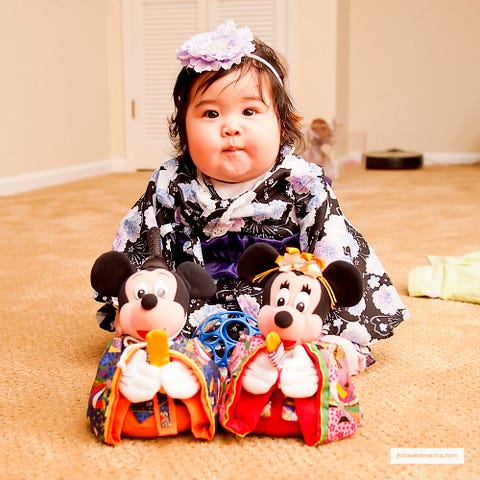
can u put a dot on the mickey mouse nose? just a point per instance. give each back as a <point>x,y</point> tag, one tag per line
<point>149,301</point>
<point>283,319</point>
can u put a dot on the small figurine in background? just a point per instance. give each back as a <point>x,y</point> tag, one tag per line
<point>292,380</point>
<point>320,139</point>
<point>151,382</point>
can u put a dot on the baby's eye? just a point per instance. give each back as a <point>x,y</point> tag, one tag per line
<point>211,114</point>
<point>248,112</point>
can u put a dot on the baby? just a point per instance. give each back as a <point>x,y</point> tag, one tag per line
<point>235,181</point>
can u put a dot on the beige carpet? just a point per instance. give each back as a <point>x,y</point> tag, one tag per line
<point>422,392</point>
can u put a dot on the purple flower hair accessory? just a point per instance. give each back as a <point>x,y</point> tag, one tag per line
<point>222,48</point>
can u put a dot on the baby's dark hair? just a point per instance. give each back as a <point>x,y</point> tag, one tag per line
<point>290,130</point>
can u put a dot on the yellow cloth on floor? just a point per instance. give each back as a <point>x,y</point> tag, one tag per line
<point>448,277</point>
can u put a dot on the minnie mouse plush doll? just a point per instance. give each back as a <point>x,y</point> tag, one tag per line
<point>292,380</point>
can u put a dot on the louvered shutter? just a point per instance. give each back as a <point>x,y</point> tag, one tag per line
<point>259,15</point>
<point>163,30</point>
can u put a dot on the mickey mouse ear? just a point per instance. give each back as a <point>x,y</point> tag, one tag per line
<point>109,272</point>
<point>257,258</point>
<point>346,282</point>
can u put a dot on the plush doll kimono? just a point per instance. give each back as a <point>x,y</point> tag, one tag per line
<point>151,382</point>
<point>292,380</point>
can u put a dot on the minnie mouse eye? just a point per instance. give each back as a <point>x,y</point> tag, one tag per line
<point>283,296</point>
<point>302,300</point>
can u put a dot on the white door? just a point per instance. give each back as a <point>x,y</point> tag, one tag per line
<point>153,30</point>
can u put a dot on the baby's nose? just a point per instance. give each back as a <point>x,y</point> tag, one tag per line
<point>230,130</point>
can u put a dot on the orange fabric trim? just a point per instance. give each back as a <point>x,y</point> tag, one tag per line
<point>115,413</point>
<point>202,417</point>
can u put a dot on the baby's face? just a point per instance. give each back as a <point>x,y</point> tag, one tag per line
<point>233,135</point>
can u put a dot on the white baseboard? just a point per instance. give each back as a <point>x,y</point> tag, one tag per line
<point>428,158</point>
<point>48,178</point>
<point>451,158</point>
<point>56,176</point>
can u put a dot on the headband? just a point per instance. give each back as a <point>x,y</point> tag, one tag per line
<point>222,48</point>
<point>303,262</point>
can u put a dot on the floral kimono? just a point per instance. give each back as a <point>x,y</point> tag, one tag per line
<point>292,205</point>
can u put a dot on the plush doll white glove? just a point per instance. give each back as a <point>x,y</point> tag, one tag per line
<point>260,375</point>
<point>178,380</point>
<point>299,377</point>
<point>140,381</point>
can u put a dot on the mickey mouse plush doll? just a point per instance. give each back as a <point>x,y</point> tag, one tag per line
<point>292,380</point>
<point>151,382</point>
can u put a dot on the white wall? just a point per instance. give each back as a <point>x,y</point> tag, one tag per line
<point>393,73</point>
<point>415,74</point>
<point>401,73</point>
<point>60,87</point>
<point>314,73</point>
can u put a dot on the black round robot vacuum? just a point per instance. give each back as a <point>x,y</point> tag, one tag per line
<point>393,159</point>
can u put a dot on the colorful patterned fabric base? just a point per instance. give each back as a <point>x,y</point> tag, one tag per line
<point>112,416</point>
<point>331,414</point>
